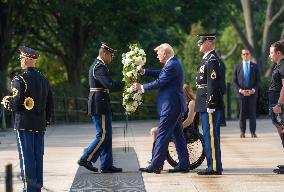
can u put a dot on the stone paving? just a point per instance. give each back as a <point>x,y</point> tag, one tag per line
<point>247,163</point>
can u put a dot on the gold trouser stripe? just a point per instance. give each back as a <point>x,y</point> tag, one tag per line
<point>23,159</point>
<point>213,154</point>
<point>102,139</point>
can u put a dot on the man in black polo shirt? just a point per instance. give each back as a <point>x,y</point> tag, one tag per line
<point>276,90</point>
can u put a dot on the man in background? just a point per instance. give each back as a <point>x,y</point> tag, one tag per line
<point>246,79</point>
<point>276,91</point>
<point>223,85</point>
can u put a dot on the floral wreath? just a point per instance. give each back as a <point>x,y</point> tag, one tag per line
<point>132,61</point>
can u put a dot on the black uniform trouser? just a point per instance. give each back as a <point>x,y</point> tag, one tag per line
<point>247,106</point>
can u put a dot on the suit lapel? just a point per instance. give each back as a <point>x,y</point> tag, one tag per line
<point>251,71</point>
<point>242,71</point>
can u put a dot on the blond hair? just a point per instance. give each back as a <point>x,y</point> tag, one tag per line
<point>165,48</point>
<point>189,95</point>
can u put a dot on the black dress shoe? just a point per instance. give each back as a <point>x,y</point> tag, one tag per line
<point>253,135</point>
<point>111,169</point>
<point>88,165</point>
<point>209,172</point>
<point>282,138</point>
<point>150,170</point>
<point>280,166</point>
<point>179,170</point>
<point>242,135</point>
<point>278,171</point>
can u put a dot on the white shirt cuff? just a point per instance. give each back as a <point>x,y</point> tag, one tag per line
<point>142,88</point>
<point>240,90</point>
<point>253,90</point>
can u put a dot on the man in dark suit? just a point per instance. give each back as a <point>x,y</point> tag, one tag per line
<point>223,85</point>
<point>99,109</point>
<point>171,104</point>
<point>246,80</point>
<point>209,103</point>
<point>33,105</point>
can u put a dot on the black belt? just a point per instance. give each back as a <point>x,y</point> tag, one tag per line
<point>99,90</point>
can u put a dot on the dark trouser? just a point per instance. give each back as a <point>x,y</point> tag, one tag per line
<point>102,144</point>
<point>223,116</point>
<point>211,135</point>
<point>273,100</point>
<point>170,126</point>
<point>31,149</point>
<point>247,106</point>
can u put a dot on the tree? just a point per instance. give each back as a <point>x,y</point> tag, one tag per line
<point>257,40</point>
<point>66,30</point>
<point>13,29</point>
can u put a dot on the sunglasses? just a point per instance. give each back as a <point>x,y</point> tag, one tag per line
<point>200,42</point>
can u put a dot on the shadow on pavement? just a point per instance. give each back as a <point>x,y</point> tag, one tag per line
<point>129,180</point>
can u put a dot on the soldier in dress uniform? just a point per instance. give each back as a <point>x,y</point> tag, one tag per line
<point>209,103</point>
<point>99,109</point>
<point>32,103</point>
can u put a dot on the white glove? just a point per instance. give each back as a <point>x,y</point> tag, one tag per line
<point>6,104</point>
<point>210,110</point>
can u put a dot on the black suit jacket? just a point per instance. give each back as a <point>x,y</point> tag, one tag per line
<point>239,80</point>
<point>209,84</point>
<point>223,76</point>
<point>31,84</point>
<point>99,77</point>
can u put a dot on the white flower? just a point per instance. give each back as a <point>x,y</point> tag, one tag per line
<point>139,67</point>
<point>132,61</point>
<point>128,74</point>
<point>142,52</point>
<point>137,96</point>
<point>127,62</point>
<point>129,90</point>
<point>126,97</point>
<point>135,104</point>
<point>139,62</point>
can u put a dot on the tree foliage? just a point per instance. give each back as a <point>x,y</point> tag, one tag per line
<point>68,33</point>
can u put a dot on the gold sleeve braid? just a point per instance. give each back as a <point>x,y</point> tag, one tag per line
<point>28,102</point>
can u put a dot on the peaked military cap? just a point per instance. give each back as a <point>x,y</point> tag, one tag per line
<point>204,37</point>
<point>107,47</point>
<point>28,52</point>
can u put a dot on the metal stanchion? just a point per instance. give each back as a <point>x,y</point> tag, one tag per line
<point>3,118</point>
<point>9,178</point>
